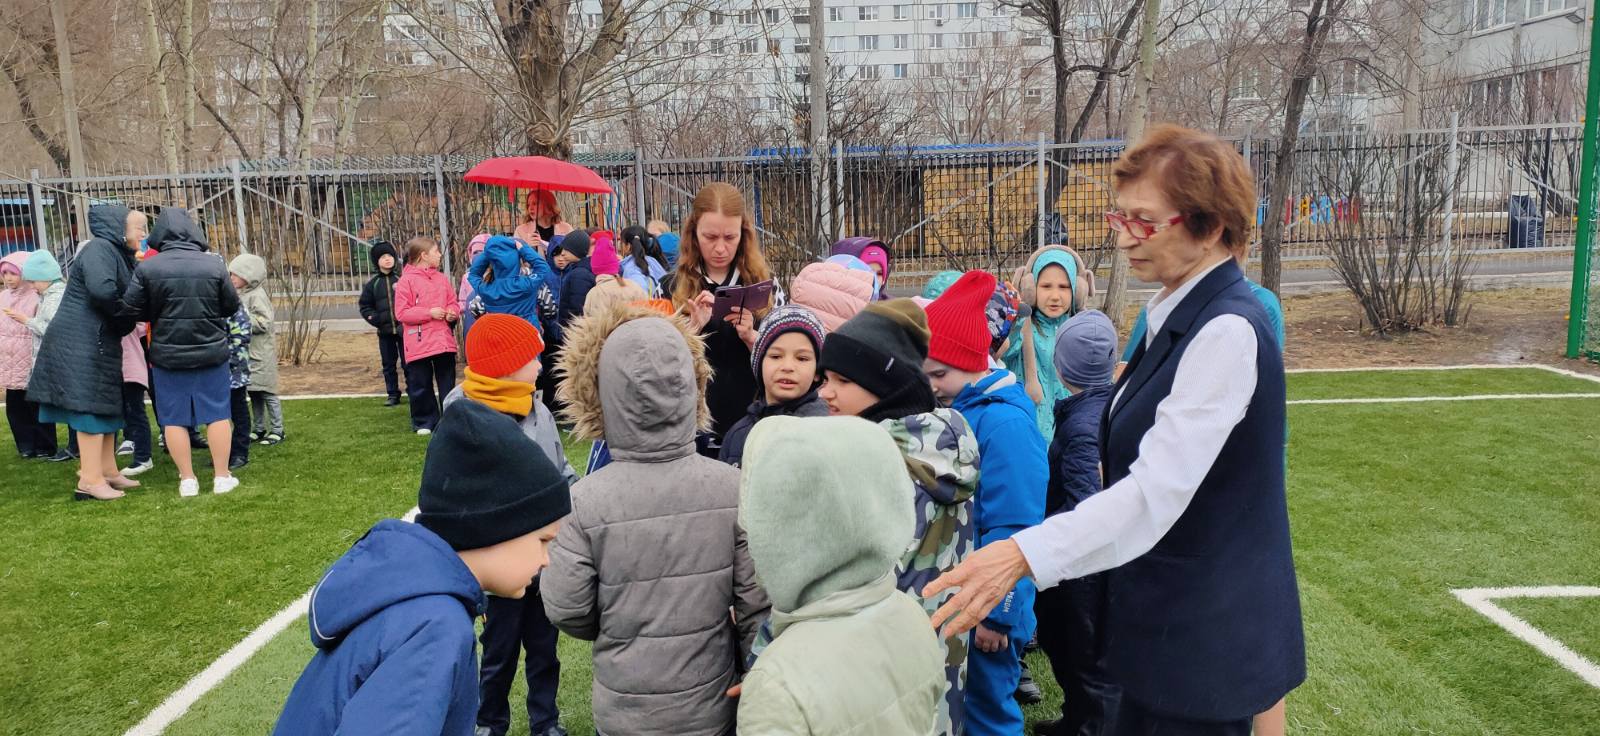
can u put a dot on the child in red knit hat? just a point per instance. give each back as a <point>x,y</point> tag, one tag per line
<point>1012,474</point>
<point>502,365</point>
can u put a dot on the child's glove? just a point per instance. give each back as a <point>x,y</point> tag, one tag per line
<point>476,306</point>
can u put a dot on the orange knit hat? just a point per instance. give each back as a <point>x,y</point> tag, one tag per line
<point>499,344</point>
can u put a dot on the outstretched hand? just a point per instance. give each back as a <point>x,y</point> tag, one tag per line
<point>983,580</point>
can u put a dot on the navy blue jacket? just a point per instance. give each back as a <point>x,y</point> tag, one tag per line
<point>1075,450</point>
<point>392,622</point>
<point>732,451</point>
<point>576,281</point>
<point>1012,472</point>
<point>1206,625</point>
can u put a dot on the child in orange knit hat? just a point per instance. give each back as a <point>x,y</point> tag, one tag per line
<point>502,365</point>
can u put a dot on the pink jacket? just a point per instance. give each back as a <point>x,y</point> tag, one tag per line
<point>419,290</point>
<point>16,342</point>
<point>134,367</point>
<point>834,292</point>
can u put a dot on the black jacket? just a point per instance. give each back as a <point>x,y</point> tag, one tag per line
<point>733,385</point>
<point>79,367</point>
<point>732,451</point>
<point>377,297</point>
<point>184,292</point>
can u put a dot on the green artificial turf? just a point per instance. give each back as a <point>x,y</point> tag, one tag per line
<point>1391,384</point>
<point>106,609</point>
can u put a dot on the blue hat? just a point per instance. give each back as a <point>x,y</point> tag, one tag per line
<point>41,266</point>
<point>940,281</point>
<point>668,243</point>
<point>1086,349</point>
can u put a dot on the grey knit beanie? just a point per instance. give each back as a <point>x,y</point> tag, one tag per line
<point>1086,349</point>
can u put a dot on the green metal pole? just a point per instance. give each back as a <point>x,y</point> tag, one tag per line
<point>1578,314</point>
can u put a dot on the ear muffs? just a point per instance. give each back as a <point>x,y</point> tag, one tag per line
<point>1082,289</point>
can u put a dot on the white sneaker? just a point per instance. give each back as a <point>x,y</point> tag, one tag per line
<point>223,485</point>
<point>134,470</point>
<point>188,488</point>
<point>424,431</point>
<point>126,448</point>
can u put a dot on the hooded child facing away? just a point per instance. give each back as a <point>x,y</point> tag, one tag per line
<point>266,412</point>
<point>873,366</point>
<point>652,558</point>
<point>827,505</point>
<point>392,618</point>
<point>501,282</point>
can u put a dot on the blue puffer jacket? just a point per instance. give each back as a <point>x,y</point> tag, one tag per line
<point>508,290</point>
<point>1012,472</point>
<point>392,623</point>
<point>1075,450</point>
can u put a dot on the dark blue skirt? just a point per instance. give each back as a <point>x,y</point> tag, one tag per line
<point>191,398</point>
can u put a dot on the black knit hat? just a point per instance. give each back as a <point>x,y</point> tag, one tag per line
<point>381,248</point>
<point>484,481</point>
<point>882,349</point>
<point>576,242</point>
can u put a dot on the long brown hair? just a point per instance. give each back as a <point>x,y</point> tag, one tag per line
<point>543,198</point>
<point>723,199</point>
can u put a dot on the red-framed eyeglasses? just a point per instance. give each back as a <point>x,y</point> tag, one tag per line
<point>1139,229</point>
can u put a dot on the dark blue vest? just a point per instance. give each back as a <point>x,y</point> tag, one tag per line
<point>1206,625</point>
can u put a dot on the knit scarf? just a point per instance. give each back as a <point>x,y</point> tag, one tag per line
<point>506,397</point>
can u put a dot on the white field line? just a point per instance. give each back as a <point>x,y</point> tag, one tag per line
<point>1565,372</point>
<point>181,701</point>
<point>1482,601</point>
<point>1423,399</point>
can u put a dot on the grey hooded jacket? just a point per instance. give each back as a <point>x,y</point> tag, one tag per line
<point>652,558</point>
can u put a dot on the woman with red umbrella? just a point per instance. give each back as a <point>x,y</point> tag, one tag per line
<point>541,220</point>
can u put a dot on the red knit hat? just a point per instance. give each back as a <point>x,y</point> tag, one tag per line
<point>499,344</point>
<point>960,329</point>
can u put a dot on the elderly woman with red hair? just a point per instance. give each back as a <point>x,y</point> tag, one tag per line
<point>1203,625</point>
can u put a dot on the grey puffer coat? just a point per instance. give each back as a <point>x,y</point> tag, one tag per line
<point>79,367</point>
<point>652,558</point>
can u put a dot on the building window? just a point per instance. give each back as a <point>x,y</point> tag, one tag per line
<point>933,12</point>
<point>899,71</point>
<point>748,46</point>
<point>773,15</point>
<point>869,71</point>
<point>966,10</point>
<point>1495,13</point>
<point>802,45</point>
<point>936,40</point>
<point>935,69</point>
<point>835,15</point>
<point>902,12</point>
<point>867,43</point>
<point>969,40</point>
<point>802,18</point>
<point>1537,8</point>
<point>867,12</point>
<point>902,41</point>
<point>1032,40</point>
<point>835,43</point>
<point>716,18</point>
<point>749,18</point>
<point>967,69</point>
<point>802,74</point>
<point>1033,95</point>
<point>1248,85</point>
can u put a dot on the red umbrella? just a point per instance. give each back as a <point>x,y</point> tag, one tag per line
<point>538,172</point>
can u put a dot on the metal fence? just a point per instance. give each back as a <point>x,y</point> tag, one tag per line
<point>938,207</point>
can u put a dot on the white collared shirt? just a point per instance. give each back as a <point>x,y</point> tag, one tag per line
<point>1215,379</point>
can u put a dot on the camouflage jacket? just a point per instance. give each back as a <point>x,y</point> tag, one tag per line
<point>239,349</point>
<point>941,454</point>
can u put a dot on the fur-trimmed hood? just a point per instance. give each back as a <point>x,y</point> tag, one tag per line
<point>637,380</point>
